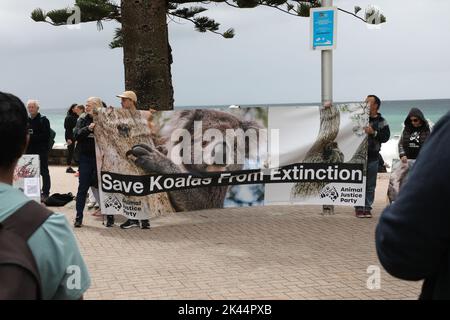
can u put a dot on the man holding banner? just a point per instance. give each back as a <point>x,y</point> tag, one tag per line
<point>129,101</point>
<point>378,132</point>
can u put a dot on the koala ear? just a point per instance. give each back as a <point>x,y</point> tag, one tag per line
<point>248,124</point>
<point>186,113</point>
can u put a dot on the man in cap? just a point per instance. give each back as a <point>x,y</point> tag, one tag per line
<point>129,101</point>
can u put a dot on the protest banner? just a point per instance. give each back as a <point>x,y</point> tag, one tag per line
<point>151,163</point>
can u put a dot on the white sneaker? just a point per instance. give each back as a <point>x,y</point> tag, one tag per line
<point>90,205</point>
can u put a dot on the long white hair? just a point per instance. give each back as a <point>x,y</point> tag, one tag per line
<point>97,102</point>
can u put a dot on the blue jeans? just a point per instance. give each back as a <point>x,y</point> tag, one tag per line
<point>88,170</point>
<point>371,184</point>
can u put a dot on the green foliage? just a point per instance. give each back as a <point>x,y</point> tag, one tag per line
<point>60,16</point>
<point>188,12</point>
<point>247,3</point>
<point>117,40</point>
<point>203,24</point>
<point>38,15</point>
<point>276,2</point>
<point>95,10</point>
<point>304,8</point>
<point>229,33</point>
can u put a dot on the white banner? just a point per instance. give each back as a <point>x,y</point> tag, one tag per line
<point>186,160</point>
<point>320,135</point>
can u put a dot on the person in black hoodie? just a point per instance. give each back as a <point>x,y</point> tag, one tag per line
<point>414,134</point>
<point>84,136</point>
<point>39,130</point>
<point>378,132</point>
<point>69,124</point>
<point>413,234</point>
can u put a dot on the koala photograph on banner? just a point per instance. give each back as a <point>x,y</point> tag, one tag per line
<point>331,140</point>
<point>151,163</point>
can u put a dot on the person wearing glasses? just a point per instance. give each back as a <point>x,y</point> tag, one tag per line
<point>416,131</point>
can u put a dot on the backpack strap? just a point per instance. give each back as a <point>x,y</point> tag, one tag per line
<point>25,221</point>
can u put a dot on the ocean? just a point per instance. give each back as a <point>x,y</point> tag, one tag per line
<point>394,112</point>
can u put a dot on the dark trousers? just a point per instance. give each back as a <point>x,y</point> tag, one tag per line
<point>88,171</point>
<point>371,184</point>
<point>70,149</point>
<point>46,183</point>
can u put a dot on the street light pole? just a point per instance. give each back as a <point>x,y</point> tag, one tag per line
<point>327,88</point>
<point>327,69</point>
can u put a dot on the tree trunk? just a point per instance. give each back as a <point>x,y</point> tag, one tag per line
<point>146,53</point>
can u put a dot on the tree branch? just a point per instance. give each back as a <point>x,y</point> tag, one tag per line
<point>278,8</point>
<point>196,23</point>
<point>352,14</point>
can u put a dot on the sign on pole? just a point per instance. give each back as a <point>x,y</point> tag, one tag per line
<point>323,28</point>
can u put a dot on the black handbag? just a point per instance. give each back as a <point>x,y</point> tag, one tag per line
<point>59,199</point>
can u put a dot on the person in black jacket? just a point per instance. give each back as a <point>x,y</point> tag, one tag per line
<point>378,132</point>
<point>84,136</point>
<point>414,134</point>
<point>413,234</point>
<point>39,130</point>
<point>69,124</point>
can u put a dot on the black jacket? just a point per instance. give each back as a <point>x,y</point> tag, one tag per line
<point>39,135</point>
<point>413,138</point>
<point>69,124</point>
<point>381,135</point>
<point>84,137</point>
<point>413,234</point>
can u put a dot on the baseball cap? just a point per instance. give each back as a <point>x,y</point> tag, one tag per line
<point>128,95</point>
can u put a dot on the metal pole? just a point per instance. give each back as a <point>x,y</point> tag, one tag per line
<point>327,69</point>
<point>327,88</point>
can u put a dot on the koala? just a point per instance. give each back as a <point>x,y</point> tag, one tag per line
<point>156,159</point>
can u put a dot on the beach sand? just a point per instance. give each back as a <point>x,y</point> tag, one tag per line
<point>273,252</point>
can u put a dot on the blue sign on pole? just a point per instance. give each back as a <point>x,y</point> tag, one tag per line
<point>323,27</point>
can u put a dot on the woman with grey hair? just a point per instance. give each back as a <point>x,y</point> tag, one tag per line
<point>84,135</point>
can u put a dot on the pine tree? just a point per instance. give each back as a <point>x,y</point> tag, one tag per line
<point>144,35</point>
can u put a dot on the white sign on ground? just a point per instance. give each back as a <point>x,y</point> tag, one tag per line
<point>27,176</point>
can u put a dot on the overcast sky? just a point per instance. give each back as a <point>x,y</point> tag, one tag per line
<point>269,60</point>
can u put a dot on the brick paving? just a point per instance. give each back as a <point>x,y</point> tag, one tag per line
<point>276,252</point>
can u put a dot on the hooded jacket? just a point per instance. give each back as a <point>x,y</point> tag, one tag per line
<point>413,234</point>
<point>412,138</point>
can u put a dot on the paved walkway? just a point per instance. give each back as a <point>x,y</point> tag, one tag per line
<point>277,252</point>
